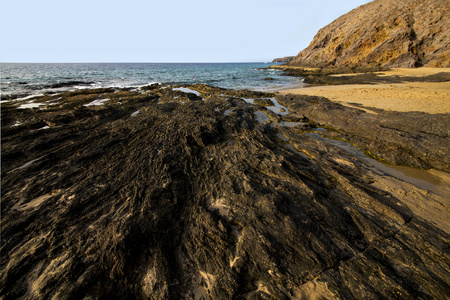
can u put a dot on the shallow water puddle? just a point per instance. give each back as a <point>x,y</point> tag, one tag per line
<point>96,102</point>
<point>278,108</point>
<point>26,164</point>
<point>31,105</point>
<point>23,98</point>
<point>282,137</point>
<point>17,123</point>
<point>249,100</point>
<point>418,177</point>
<point>261,117</point>
<point>35,202</point>
<point>227,112</point>
<point>135,113</point>
<point>187,90</point>
<point>290,124</point>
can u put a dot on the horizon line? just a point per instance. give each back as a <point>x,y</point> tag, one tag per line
<point>128,62</point>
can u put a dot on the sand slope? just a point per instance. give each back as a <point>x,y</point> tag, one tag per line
<point>429,97</point>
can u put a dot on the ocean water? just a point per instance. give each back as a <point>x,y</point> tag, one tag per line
<point>37,78</point>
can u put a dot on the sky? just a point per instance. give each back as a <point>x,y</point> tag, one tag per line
<point>162,30</point>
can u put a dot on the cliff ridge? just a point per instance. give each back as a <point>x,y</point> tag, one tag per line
<point>385,33</point>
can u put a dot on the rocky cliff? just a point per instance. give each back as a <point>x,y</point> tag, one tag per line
<point>407,33</point>
<point>190,193</point>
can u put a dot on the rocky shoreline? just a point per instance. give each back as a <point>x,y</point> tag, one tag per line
<point>188,192</point>
<point>357,75</point>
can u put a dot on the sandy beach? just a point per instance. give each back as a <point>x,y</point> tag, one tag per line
<point>429,97</point>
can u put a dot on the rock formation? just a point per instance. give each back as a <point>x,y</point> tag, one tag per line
<point>388,33</point>
<point>283,59</point>
<point>161,193</point>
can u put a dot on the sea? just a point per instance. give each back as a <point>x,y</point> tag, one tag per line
<point>25,79</point>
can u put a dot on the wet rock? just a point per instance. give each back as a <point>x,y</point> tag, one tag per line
<point>183,201</point>
<point>404,138</point>
<point>150,87</point>
<point>68,84</point>
<point>263,102</point>
<point>283,59</point>
<point>294,117</point>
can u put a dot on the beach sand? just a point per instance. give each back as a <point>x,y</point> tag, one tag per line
<point>429,97</point>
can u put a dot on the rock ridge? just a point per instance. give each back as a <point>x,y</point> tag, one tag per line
<point>285,59</point>
<point>384,33</point>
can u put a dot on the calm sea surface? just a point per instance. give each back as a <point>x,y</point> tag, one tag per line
<point>36,78</point>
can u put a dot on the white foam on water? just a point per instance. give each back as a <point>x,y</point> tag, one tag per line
<point>147,84</point>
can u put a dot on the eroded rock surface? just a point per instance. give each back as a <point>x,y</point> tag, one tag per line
<point>167,194</point>
<point>404,138</point>
<point>388,33</point>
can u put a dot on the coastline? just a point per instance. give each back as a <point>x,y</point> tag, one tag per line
<point>428,97</point>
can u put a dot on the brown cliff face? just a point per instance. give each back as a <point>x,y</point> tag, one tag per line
<point>407,33</point>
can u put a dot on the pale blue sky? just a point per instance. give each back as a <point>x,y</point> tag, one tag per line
<point>163,30</point>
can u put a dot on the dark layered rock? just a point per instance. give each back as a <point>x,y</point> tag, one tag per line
<point>69,84</point>
<point>162,194</point>
<point>386,33</point>
<point>404,138</point>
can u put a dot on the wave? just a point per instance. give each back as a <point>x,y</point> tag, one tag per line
<point>34,78</point>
